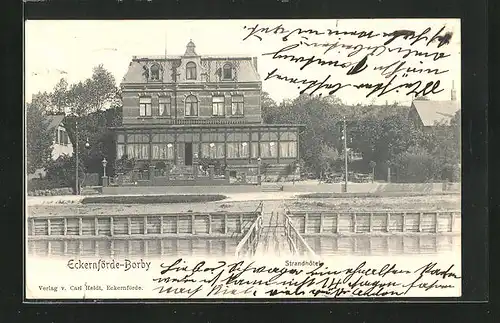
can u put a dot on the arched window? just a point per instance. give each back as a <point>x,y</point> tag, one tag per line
<point>227,72</point>
<point>155,72</point>
<point>191,108</point>
<point>191,71</point>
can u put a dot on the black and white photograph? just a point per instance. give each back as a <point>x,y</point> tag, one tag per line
<point>199,159</point>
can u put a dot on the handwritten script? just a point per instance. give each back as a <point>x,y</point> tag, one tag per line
<point>250,279</point>
<point>401,61</point>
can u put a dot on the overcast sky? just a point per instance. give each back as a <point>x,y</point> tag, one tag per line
<point>69,49</point>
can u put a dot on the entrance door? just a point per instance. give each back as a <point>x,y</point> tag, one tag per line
<point>188,154</point>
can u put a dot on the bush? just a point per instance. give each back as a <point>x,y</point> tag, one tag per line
<point>152,199</point>
<point>44,184</point>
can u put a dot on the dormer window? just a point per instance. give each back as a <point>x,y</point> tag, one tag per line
<point>191,71</point>
<point>155,72</point>
<point>227,72</point>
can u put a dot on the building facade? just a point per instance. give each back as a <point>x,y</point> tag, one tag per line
<point>178,109</point>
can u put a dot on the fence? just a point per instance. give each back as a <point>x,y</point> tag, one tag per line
<point>228,224</point>
<point>393,221</point>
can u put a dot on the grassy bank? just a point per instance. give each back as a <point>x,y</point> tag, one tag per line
<point>373,195</point>
<point>152,199</point>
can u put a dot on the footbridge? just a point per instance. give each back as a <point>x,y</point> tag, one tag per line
<point>273,234</point>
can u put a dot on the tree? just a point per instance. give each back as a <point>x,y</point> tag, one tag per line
<point>59,97</point>
<point>43,101</point>
<point>38,138</point>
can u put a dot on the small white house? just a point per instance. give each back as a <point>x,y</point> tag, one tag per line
<point>61,144</point>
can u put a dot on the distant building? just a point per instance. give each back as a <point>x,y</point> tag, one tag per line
<point>61,144</point>
<point>426,114</point>
<point>179,108</point>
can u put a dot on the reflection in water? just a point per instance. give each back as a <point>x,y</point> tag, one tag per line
<point>324,246</point>
<point>133,248</point>
<point>384,245</point>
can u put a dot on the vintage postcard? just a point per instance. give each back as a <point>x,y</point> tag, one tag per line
<point>242,159</point>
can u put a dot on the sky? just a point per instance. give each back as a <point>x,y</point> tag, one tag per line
<point>70,49</point>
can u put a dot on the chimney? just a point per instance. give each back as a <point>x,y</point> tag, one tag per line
<point>254,59</point>
<point>453,91</point>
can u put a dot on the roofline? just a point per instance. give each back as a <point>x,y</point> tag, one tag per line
<point>239,125</point>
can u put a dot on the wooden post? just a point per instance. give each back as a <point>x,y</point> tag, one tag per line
<point>49,247</point>
<point>96,248</point>
<point>404,221</point>
<point>161,245</point>
<point>436,225</point>
<point>111,227</point>
<point>241,223</point>
<point>321,222</point>
<point>420,217</point>
<point>225,224</point>
<point>146,248</point>
<point>452,221</point>
<point>370,225</point>
<point>65,250</point>
<point>48,227</point>
<point>80,226</point>
<point>129,225</point>
<point>337,223</point>
<point>306,218</point>
<point>65,230</point>
<point>161,225</point>
<point>96,226</point>
<point>145,224</point>
<point>388,228</point>
<point>355,225</point>
<point>112,244</point>
<point>209,223</point>
<point>193,231</point>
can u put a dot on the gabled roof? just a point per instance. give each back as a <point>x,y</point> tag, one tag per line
<point>54,121</point>
<point>432,112</point>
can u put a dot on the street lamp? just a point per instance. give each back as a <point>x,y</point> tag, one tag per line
<point>87,145</point>
<point>104,163</point>
<point>259,161</point>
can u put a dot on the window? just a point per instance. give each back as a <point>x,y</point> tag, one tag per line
<point>213,150</point>
<point>254,148</point>
<point>145,107</point>
<point>164,107</point>
<point>288,149</point>
<point>237,105</point>
<point>227,72</point>
<point>288,145</point>
<point>218,106</point>
<point>155,72</point>
<point>120,151</point>
<point>268,150</point>
<point>191,106</point>
<point>237,145</point>
<point>162,151</point>
<point>191,71</point>
<point>138,146</point>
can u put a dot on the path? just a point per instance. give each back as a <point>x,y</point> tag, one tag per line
<point>273,241</point>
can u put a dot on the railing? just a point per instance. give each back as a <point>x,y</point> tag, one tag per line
<point>298,244</point>
<point>248,245</point>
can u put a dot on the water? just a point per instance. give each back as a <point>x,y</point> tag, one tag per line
<point>323,246</point>
<point>364,245</point>
<point>132,248</point>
